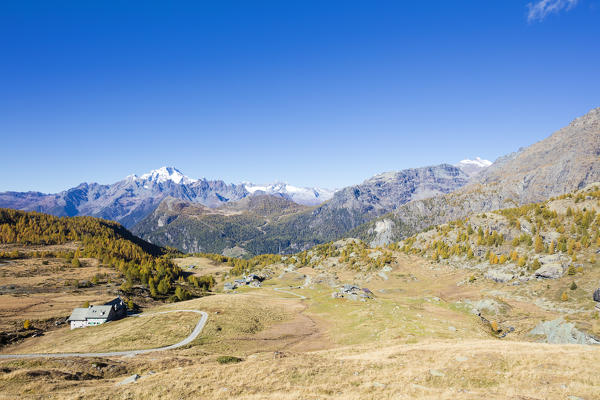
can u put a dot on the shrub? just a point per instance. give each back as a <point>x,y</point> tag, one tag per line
<point>573,286</point>
<point>164,286</point>
<point>228,360</point>
<point>152,287</point>
<point>539,244</point>
<point>26,324</point>
<point>86,304</point>
<point>76,263</point>
<point>126,286</point>
<point>181,294</point>
<point>564,296</point>
<point>572,270</point>
<point>494,326</point>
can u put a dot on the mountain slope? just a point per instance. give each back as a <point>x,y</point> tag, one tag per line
<point>242,224</point>
<point>566,161</point>
<point>236,226</point>
<point>548,239</point>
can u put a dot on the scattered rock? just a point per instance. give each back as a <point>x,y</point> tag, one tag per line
<point>383,275</point>
<point>435,372</point>
<point>559,331</point>
<point>460,358</point>
<point>452,329</point>
<point>378,385</point>
<point>484,305</point>
<point>499,276</point>
<point>132,379</point>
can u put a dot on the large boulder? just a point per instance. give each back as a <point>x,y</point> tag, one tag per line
<point>550,271</point>
<point>499,276</point>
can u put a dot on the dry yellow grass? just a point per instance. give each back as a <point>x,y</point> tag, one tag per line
<point>202,266</point>
<point>430,370</point>
<point>126,334</point>
<point>399,346</point>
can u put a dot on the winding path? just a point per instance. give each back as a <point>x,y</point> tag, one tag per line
<point>282,290</point>
<point>131,353</point>
<point>197,330</point>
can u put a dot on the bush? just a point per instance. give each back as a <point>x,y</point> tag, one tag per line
<point>76,263</point>
<point>564,296</point>
<point>26,324</point>
<point>573,286</point>
<point>181,294</point>
<point>228,360</point>
<point>126,287</point>
<point>494,326</point>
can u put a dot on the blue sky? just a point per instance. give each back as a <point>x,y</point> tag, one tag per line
<point>308,92</point>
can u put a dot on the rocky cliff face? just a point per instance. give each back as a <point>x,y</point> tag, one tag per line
<point>566,161</point>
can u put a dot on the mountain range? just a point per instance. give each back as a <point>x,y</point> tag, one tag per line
<point>566,161</point>
<point>292,228</point>
<point>133,198</point>
<point>198,215</point>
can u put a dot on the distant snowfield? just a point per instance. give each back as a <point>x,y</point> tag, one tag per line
<point>301,195</point>
<point>473,167</point>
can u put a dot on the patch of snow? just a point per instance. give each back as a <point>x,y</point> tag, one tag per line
<point>473,167</point>
<point>300,195</point>
<point>478,161</point>
<point>165,174</point>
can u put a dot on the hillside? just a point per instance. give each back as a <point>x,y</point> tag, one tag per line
<point>287,228</point>
<point>549,240</point>
<point>236,228</point>
<point>564,162</point>
<point>31,234</point>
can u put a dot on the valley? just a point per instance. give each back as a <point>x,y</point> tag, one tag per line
<point>439,282</point>
<point>421,335</point>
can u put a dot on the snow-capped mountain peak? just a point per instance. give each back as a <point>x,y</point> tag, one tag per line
<point>478,161</point>
<point>165,174</point>
<point>300,195</point>
<point>473,167</point>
